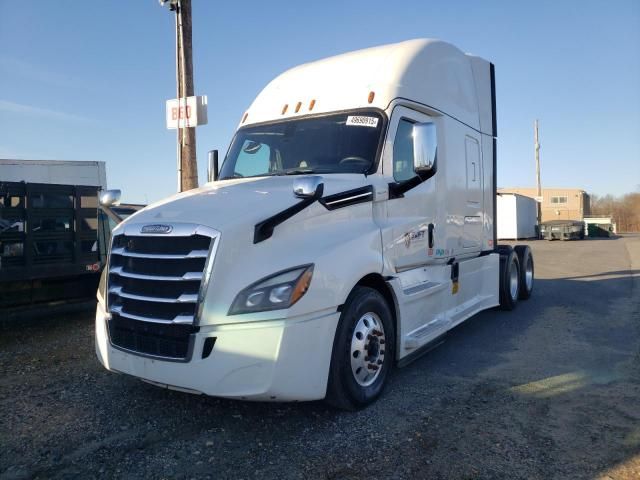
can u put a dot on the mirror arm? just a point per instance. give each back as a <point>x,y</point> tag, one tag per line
<point>108,211</point>
<point>264,229</point>
<point>398,189</point>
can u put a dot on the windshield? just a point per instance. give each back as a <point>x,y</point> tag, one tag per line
<point>339,143</point>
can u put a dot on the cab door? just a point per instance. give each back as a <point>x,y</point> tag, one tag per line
<point>411,219</point>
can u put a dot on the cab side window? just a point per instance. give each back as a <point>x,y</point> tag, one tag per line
<point>403,152</point>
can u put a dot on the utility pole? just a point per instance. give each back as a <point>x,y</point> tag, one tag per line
<point>189,166</point>
<point>186,137</point>
<point>539,191</point>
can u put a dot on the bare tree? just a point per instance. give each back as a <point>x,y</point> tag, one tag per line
<point>625,210</point>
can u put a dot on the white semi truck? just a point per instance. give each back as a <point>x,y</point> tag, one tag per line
<point>351,225</point>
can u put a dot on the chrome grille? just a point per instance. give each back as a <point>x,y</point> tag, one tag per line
<point>154,287</point>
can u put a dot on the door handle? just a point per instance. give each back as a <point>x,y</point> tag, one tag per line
<point>431,227</point>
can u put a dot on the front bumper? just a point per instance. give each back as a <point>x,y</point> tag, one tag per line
<point>277,360</point>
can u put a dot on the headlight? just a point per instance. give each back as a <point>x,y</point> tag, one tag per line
<point>275,292</point>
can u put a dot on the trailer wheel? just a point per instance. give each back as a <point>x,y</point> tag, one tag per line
<point>509,280</point>
<point>363,350</point>
<point>525,259</point>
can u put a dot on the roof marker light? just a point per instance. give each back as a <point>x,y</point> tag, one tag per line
<point>372,95</point>
<point>244,118</point>
<point>312,104</point>
<point>284,109</point>
<point>299,104</point>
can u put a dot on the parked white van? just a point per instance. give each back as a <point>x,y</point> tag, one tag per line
<point>351,225</point>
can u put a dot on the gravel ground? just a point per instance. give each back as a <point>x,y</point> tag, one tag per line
<point>550,390</point>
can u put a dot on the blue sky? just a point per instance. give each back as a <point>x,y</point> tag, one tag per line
<point>88,80</point>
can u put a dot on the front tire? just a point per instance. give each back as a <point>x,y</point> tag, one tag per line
<point>363,350</point>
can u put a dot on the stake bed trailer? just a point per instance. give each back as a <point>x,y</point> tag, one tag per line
<point>351,225</point>
<point>49,235</point>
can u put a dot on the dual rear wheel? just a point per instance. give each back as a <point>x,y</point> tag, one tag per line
<point>516,275</point>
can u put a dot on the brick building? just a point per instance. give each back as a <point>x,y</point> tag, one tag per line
<point>558,203</point>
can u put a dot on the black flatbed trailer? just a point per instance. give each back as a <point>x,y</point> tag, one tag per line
<point>49,243</point>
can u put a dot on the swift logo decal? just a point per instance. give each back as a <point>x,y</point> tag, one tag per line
<point>413,236</point>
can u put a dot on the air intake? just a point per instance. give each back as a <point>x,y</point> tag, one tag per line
<point>155,285</point>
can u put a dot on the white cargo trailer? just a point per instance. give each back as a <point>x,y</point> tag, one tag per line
<point>516,216</point>
<point>351,225</point>
<point>60,172</point>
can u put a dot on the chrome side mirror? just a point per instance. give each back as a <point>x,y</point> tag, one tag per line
<point>110,197</point>
<point>425,147</point>
<point>308,187</point>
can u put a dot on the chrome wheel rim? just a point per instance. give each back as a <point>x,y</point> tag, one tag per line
<point>528,274</point>
<point>513,282</point>
<point>367,351</point>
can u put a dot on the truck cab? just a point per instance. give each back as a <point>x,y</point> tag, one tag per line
<point>351,225</point>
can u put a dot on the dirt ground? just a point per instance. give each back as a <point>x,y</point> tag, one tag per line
<point>548,391</point>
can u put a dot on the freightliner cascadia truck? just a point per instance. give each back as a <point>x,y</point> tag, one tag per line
<point>350,226</point>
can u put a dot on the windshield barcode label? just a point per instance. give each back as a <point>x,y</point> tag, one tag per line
<point>362,121</point>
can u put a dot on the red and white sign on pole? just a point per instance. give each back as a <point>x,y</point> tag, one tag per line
<point>186,112</point>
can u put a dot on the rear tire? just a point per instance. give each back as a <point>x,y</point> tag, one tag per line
<point>525,258</point>
<point>363,350</point>
<point>509,280</point>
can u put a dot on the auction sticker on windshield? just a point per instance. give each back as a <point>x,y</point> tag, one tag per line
<point>361,121</point>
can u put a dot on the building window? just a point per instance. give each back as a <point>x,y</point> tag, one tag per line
<point>560,199</point>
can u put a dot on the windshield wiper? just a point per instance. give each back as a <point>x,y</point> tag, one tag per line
<point>299,171</point>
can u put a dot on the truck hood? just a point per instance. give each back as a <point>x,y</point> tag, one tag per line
<point>232,203</point>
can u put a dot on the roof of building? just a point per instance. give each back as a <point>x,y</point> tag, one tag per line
<point>534,189</point>
<point>513,194</point>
